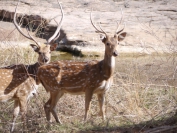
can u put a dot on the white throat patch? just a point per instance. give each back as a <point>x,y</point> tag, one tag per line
<point>112,62</point>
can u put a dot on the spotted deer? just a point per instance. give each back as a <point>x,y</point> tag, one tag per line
<point>92,77</point>
<point>19,82</point>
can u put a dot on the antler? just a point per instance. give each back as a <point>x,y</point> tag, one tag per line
<point>118,24</point>
<point>19,29</point>
<point>100,31</point>
<point>56,34</point>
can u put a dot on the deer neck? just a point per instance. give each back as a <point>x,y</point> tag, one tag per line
<point>32,69</point>
<point>108,66</point>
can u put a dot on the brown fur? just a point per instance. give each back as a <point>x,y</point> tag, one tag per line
<point>79,78</point>
<point>18,82</point>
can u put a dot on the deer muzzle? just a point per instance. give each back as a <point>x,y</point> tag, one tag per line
<point>45,60</point>
<point>115,53</point>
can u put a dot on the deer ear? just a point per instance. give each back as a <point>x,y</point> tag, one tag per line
<point>102,38</point>
<point>35,48</point>
<point>122,36</point>
<point>53,47</point>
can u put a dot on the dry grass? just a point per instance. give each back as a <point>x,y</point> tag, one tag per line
<point>143,96</point>
<point>144,93</point>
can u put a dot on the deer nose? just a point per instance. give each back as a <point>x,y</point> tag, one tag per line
<point>45,59</point>
<point>115,53</point>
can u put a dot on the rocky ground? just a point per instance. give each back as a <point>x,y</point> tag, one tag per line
<point>151,24</point>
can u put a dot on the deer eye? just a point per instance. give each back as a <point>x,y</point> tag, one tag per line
<point>39,53</point>
<point>107,44</point>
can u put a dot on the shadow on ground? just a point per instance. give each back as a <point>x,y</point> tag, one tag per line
<point>168,125</point>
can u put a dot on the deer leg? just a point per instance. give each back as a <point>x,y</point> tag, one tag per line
<point>23,110</point>
<point>15,114</point>
<point>88,97</point>
<point>101,100</point>
<point>54,100</point>
<point>47,109</point>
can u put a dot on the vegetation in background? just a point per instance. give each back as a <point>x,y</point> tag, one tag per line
<point>142,98</point>
<point>143,95</point>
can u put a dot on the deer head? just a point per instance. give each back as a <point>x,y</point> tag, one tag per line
<point>43,52</point>
<point>111,43</point>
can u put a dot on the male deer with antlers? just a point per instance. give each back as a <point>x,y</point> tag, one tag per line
<point>19,82</point>
<point>81,77</point>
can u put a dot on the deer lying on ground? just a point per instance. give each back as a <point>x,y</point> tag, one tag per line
<point>92,77</point>
<point>19,82</point>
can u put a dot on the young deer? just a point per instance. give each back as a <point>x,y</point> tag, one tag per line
<point>81,77</point>
<point>19,82</point>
